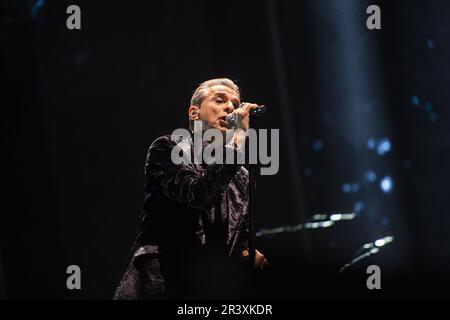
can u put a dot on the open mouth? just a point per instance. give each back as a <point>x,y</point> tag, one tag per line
<point>223,120</point>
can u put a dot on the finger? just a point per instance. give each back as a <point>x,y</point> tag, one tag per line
<point>259,260</point>
<point>259,254</point>
<point>239,112</point>
<point>248,106</point>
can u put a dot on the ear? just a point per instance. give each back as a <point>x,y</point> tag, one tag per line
<point>194,113</point>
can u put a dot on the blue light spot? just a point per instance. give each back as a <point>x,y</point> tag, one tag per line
<point>355,187</point>
<point>385,221</point>
<point>430,44</point>
<point>371,176</point>
<point>415,101</point>
<point>371,144</point>
<point>346,188</point>
<point>308,171</point>
<point>384,146</point>
<point>317,145</point>
<point>358,207</point>
<point>427,106</point>
<point>36,7</point>
<point>386,184</point>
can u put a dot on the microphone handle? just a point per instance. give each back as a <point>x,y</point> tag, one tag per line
<point>258,111</point>
<point>255,113</point>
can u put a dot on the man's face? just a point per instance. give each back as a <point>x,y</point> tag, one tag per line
<point>219,102</point>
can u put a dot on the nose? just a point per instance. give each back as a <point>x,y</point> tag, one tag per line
<point>229,107</point>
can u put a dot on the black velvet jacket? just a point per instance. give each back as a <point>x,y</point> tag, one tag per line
<point>194,223</point>
<point>193,205</point>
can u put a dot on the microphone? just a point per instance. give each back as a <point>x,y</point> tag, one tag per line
<point>258,111</point>
<point>255,113</point>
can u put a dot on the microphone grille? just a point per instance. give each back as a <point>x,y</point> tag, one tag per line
<point>231,122</point>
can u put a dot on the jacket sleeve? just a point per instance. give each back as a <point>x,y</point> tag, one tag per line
<point>243,243</point>
<point>181,182</point>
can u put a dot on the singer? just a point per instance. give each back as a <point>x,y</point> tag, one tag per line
<point>192,241</point>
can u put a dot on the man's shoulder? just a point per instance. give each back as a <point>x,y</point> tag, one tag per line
<point>168,141</point>
<point>165,147</point>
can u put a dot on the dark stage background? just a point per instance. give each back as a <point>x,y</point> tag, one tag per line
<point>363,118</point>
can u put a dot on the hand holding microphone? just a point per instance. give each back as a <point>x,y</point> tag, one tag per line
<point>240,118</point>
